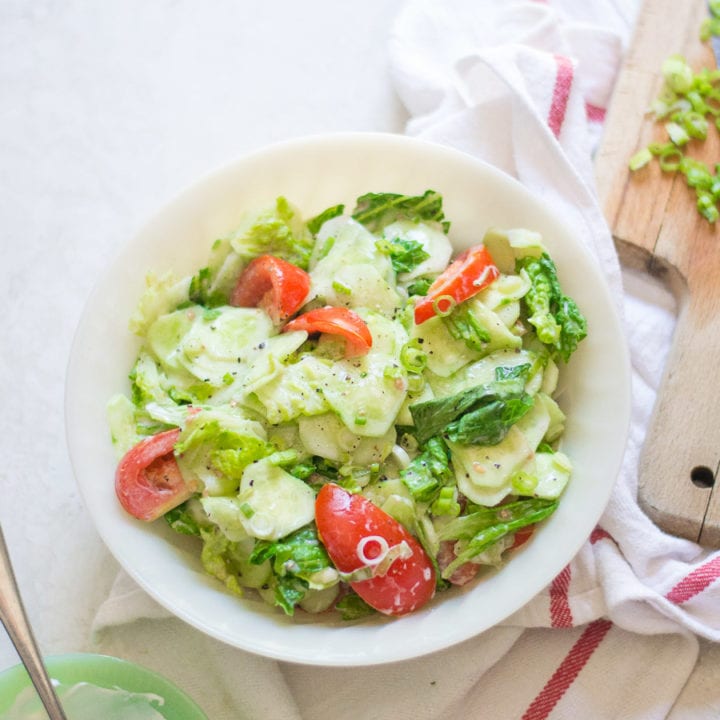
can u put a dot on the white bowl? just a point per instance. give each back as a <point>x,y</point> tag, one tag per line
<point>315,173</point>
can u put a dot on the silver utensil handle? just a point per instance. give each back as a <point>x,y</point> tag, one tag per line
<point>14,618</point>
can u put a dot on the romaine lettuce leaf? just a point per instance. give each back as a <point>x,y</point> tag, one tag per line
<point>315,223</point>
<point>405,254</point>
<point>299,562</point>
<point>189,518</point>
<point>229,561</point>
<point>279,230</point>
<point>376,210</point>
<point>556,318</point>
<point>203,292</point>
<point>300,554</point>
<point>215,447</point>
<point>162,294</point>
<point>485,527</point>
<point>489,424</point>
<point>428,471</point>
<point>353,607</point>
<point>480,415</point>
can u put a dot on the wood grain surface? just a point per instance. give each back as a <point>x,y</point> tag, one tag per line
<point>657,228</point>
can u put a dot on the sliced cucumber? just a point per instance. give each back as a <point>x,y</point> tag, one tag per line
<point>273,503</point>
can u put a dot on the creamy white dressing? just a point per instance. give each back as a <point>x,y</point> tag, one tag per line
<point>84,701</point>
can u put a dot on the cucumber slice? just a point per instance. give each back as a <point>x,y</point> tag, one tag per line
<point>273,503</point>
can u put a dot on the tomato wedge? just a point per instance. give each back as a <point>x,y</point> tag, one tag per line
<point>522,536</point>
<point>272,284</point>
<point>358,536</point>
<point>336,321</point>
<point>470,272</point>
<point>148,481</point>
<point>464,573</point>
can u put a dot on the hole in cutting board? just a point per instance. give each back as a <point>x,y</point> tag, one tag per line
<point>702,476</point>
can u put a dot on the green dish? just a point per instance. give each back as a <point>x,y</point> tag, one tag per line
<point>106,672</point>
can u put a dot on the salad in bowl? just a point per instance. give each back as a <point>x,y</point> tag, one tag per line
<point>345,412</point>
<point>373,398</point>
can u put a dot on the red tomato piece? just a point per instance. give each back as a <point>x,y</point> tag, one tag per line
<point>464,573</point>
<point>355,533</point>
<point>272,284</point>
<point>336,321</point>
<point>148,481</point>
<point>470,272</point>
<point>522,536</point>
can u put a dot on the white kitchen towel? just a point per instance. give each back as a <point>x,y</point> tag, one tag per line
<point>523,85</point>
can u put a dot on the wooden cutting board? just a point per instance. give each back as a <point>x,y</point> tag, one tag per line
<point>657,228</point>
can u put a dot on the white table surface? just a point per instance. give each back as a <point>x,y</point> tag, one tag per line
<point>107,109</point>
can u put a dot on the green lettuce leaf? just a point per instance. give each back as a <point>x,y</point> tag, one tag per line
<point>405,254</point>
<point>216,448</point>
<point>314,224</point>
<point>278,231</point>
<point>487,526</point>
<point>489,424</point>
<point>480,415</point>
<point>229,561</point>
<point>182,520</point>
<point>203,292</point>
<point>463,325</point>
<point>420,286</point>
<point>353,607</point>
<point>428,471</point>
<point>376,210</point>
<point>297,562</point>
<point>556,318</point>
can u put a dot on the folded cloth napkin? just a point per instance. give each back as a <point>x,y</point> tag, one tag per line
<point>524,86</point>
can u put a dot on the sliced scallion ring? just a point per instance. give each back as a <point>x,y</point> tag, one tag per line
<point>444,305</point>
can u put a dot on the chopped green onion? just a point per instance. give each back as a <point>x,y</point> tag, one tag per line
<point>670,160</point>
<point>640,159</point>
<point>446,503</point>
<point>678,74</point>
<point>696,173</point>
<point>523,483</point>
<point>715,188</point>
<point>677,133</point>
<point>416,383</point>
<point>443,305</point>
<point>712,102</point>
<point>707,207</point>
<point>659,148</point>
<point>696,101</point>
<point>689,101</point>
<point>341,288</point>
<point>696,125</point>
<point>283,457</point>
<point>392,372</point>
<point>412,358</point>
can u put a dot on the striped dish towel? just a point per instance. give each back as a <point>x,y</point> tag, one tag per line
<point>525,85</point>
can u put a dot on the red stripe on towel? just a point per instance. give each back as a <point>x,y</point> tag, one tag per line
<point>567,671</point>
<point>695,582</point>
<point>595,113</point>
<point>599,534</point>
<point>561,93</point>
<point>560,613</point>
